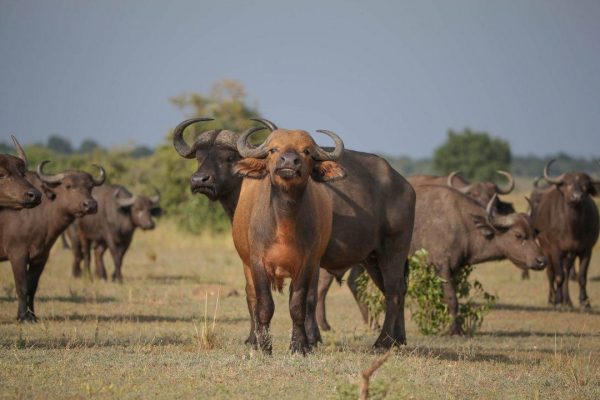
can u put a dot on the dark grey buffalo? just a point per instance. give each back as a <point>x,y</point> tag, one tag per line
<point>481,192</point>
<point>456,231</point>
<point>26,236</point>
<point>567,219</point>
<point>372,220</point>
<point>16,191</point>
<point>119,214</point>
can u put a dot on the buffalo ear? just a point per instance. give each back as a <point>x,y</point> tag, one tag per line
<point>595,189</point>
<point>486,229</point>
<point>327,171</point>
<point>50,194</point>
<point>156,211</point>
<point>251,168</point>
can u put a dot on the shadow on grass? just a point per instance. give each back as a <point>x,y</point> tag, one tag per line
<point>549,308</point>
<point>537,333</point>
<point>83,343</point>
<point>595,278</point>
<point>134,318</point>
<point>76,299</point>
<point>168,279</point>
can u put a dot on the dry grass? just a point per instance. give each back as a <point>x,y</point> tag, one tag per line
<point>153,337</point>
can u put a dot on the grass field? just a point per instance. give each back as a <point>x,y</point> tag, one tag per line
<point>143,339</point>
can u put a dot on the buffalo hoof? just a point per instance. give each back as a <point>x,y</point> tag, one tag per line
<point>585,305</point>
<point>385,342</point>
<point>297,347</point>
<point>251,341</point>
<point>456,329</point>
<point>76,273</point>
<point>27,317</point>
<point>117,278</point>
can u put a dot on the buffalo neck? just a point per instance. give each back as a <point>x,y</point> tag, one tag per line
<point>229,201</point>
<point>55,218</point>
<point>285,203</point>
<point>480,249</point>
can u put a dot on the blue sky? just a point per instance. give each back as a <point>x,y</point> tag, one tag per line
<point>388,76</point>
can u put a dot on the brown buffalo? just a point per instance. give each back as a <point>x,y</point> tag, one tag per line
<point>15,191</point>
<point>26,236</point>
<point>119,214</point>
<point>282,223</point>
<point>372,219</point>
<point>567,219</point>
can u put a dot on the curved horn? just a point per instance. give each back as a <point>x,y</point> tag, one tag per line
<point>99,181</point>
<point>489,209</point>
<point>322,155</point>
<point>451,178</point>
<point>20,151</point>
<point>245,150</point>
<point>530,211</point>
<point>466,189</point>
<point>511,183</point>
<point>48,178</point>
<point>123,202</point>
<point>156,198</point>
<point>536,182</point>
<point>556,181</point>
<point>268,124</point>
<point>179,142</point>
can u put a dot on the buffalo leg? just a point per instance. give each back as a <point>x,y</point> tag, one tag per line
<point>325,281</point>
<point>554,265</point>
<point>33,278</point>
<point>584,263</point>
<point>310,322</point>
<point>99,249</point>
<point>299,289</point>
<point>452,301</point>
<point>265,308</point>
<point>393,266</point>
<point>85,252</point>
<point>354,274</point>
<point>251,300</point>
<point>568,262</point>
<point>117,255</point>
<point>19,268</point>
<point>77,257</point>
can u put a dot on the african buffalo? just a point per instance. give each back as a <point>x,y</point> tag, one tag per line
<point>481,192</point>
<point>567,219</point>
<point>282,223</point>
<point>15,191</point>
<point>119,214</point>
<point>26,236</point>
<point>372,218</point>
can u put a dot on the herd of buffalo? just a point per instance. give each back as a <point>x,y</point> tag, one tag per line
<point>308,213</point>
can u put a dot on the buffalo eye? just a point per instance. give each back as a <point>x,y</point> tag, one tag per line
<point>2,175</point>
<point>68,186</point>
<point>230,159</point>
<point>536,233</point>
<point>519,236</point>
<point>307,152</point>
<point>273,150</point>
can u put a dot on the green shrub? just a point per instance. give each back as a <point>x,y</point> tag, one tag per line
<point>425,297</point>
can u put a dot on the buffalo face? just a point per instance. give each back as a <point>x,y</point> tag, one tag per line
<point>289,158</point>
<point>140,208</point>
<point>72,190</point>
<point>15,190</point>
<point>214,177</point>
<point>514,235</point>
<point>574,186</point>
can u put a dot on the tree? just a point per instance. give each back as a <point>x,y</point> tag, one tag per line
<point>59,144</point>
<point>477,155</point>
<point>88,145</point>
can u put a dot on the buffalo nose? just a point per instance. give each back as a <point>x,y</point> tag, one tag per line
<point>90,205</point>
<point>33,195</point>
<point>201,179</point>
<point>289,159</point>
<point>541,261</point>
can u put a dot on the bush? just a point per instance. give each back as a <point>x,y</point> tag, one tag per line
<point>425,297</point>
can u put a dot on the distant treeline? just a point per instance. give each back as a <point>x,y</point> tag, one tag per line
<point>528,166</point>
